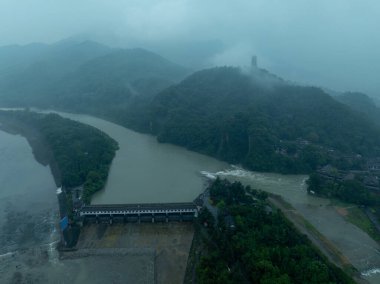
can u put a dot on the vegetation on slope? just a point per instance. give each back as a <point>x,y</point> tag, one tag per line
<point>110,82</point>
<point>254,119</point>
<point>29,74</point>
<point>263,247</point>
<point>257,120</point>
<point>361,103</point>
<point>85,76</point>
<point>83,153</point>
<point>352,191</point>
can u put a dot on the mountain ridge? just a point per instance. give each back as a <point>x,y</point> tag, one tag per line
<point>226,114</point>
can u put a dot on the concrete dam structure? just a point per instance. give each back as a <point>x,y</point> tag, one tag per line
<point>136,213</point>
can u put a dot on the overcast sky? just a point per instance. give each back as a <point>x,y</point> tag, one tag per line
<point>331,43</point>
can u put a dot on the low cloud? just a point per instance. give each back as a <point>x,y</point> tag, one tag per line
<point>327,43</point>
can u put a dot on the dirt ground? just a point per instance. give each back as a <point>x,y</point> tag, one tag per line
<point>341,211</point>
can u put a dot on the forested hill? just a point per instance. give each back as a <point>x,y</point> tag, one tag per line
<point>253,118</point>
<point>28,73</point>
<point>83,76</point>
<point>361,103</point>
<point>259,121</point>
<point>116,78</point>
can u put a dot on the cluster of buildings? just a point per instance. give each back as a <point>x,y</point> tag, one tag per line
<point>369,177</point>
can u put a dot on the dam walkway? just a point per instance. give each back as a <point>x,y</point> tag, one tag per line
<point>155,212</point>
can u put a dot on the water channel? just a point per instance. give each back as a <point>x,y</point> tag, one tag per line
<point>145,171</point>
<point>167,173</point>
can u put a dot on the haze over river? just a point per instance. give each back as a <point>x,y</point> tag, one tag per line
<point>145,171</point>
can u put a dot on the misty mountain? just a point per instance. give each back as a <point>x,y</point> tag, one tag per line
<point>83,75</point>
<point>65,54</point>
<point>257,120</point>
<point>361,103</point>
<point>376,101</point>
<point>115,78</point>
<point>250,117</point>
<point>16,58</point>
<point>193,53</point>
<point>33,70</point>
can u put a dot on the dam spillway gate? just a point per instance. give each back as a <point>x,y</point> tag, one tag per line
<point>136,213</point>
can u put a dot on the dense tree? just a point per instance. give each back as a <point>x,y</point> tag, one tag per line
<point>83,153</point>
<point>258,121</point>
<point>264,248</point>
<point>362,103</point>
<point>352,191</point>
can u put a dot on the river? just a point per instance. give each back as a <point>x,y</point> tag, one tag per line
<point>145,171</point>
<point>167,173</point>
<point>28,203</point>
<point>28,211</point>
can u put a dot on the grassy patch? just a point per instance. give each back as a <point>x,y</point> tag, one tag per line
<point>357,217</point>
<point>283,203</point>
<point>296,218</point>
<point>340,203</point>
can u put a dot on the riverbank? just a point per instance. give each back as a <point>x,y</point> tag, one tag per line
<point>250,240</point>
<point>303,226</point>
<point>359,216</point>
<point>144,151</point>
<point>174,172</point>
<point>43,154</point>
<point>138,150</point>
<point>79,157</point>
<point>320,241</point>
<point>172,245</point>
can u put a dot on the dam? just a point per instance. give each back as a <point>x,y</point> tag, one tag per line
<point>137,213</point>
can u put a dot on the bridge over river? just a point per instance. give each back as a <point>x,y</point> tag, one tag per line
<point>154,212</point>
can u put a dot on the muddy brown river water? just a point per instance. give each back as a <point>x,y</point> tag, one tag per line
<point>143,171</point>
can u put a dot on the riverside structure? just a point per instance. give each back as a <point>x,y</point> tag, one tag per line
<point>127,213</point>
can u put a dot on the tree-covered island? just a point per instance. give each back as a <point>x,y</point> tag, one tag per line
<point>82,153</point>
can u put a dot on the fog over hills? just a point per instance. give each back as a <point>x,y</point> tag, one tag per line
<point>219,111</point>
<point>267,112</point>
<point>361,103</point>
<point>332,44</point>
<point>258,120</point>
<point>74,73</point>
